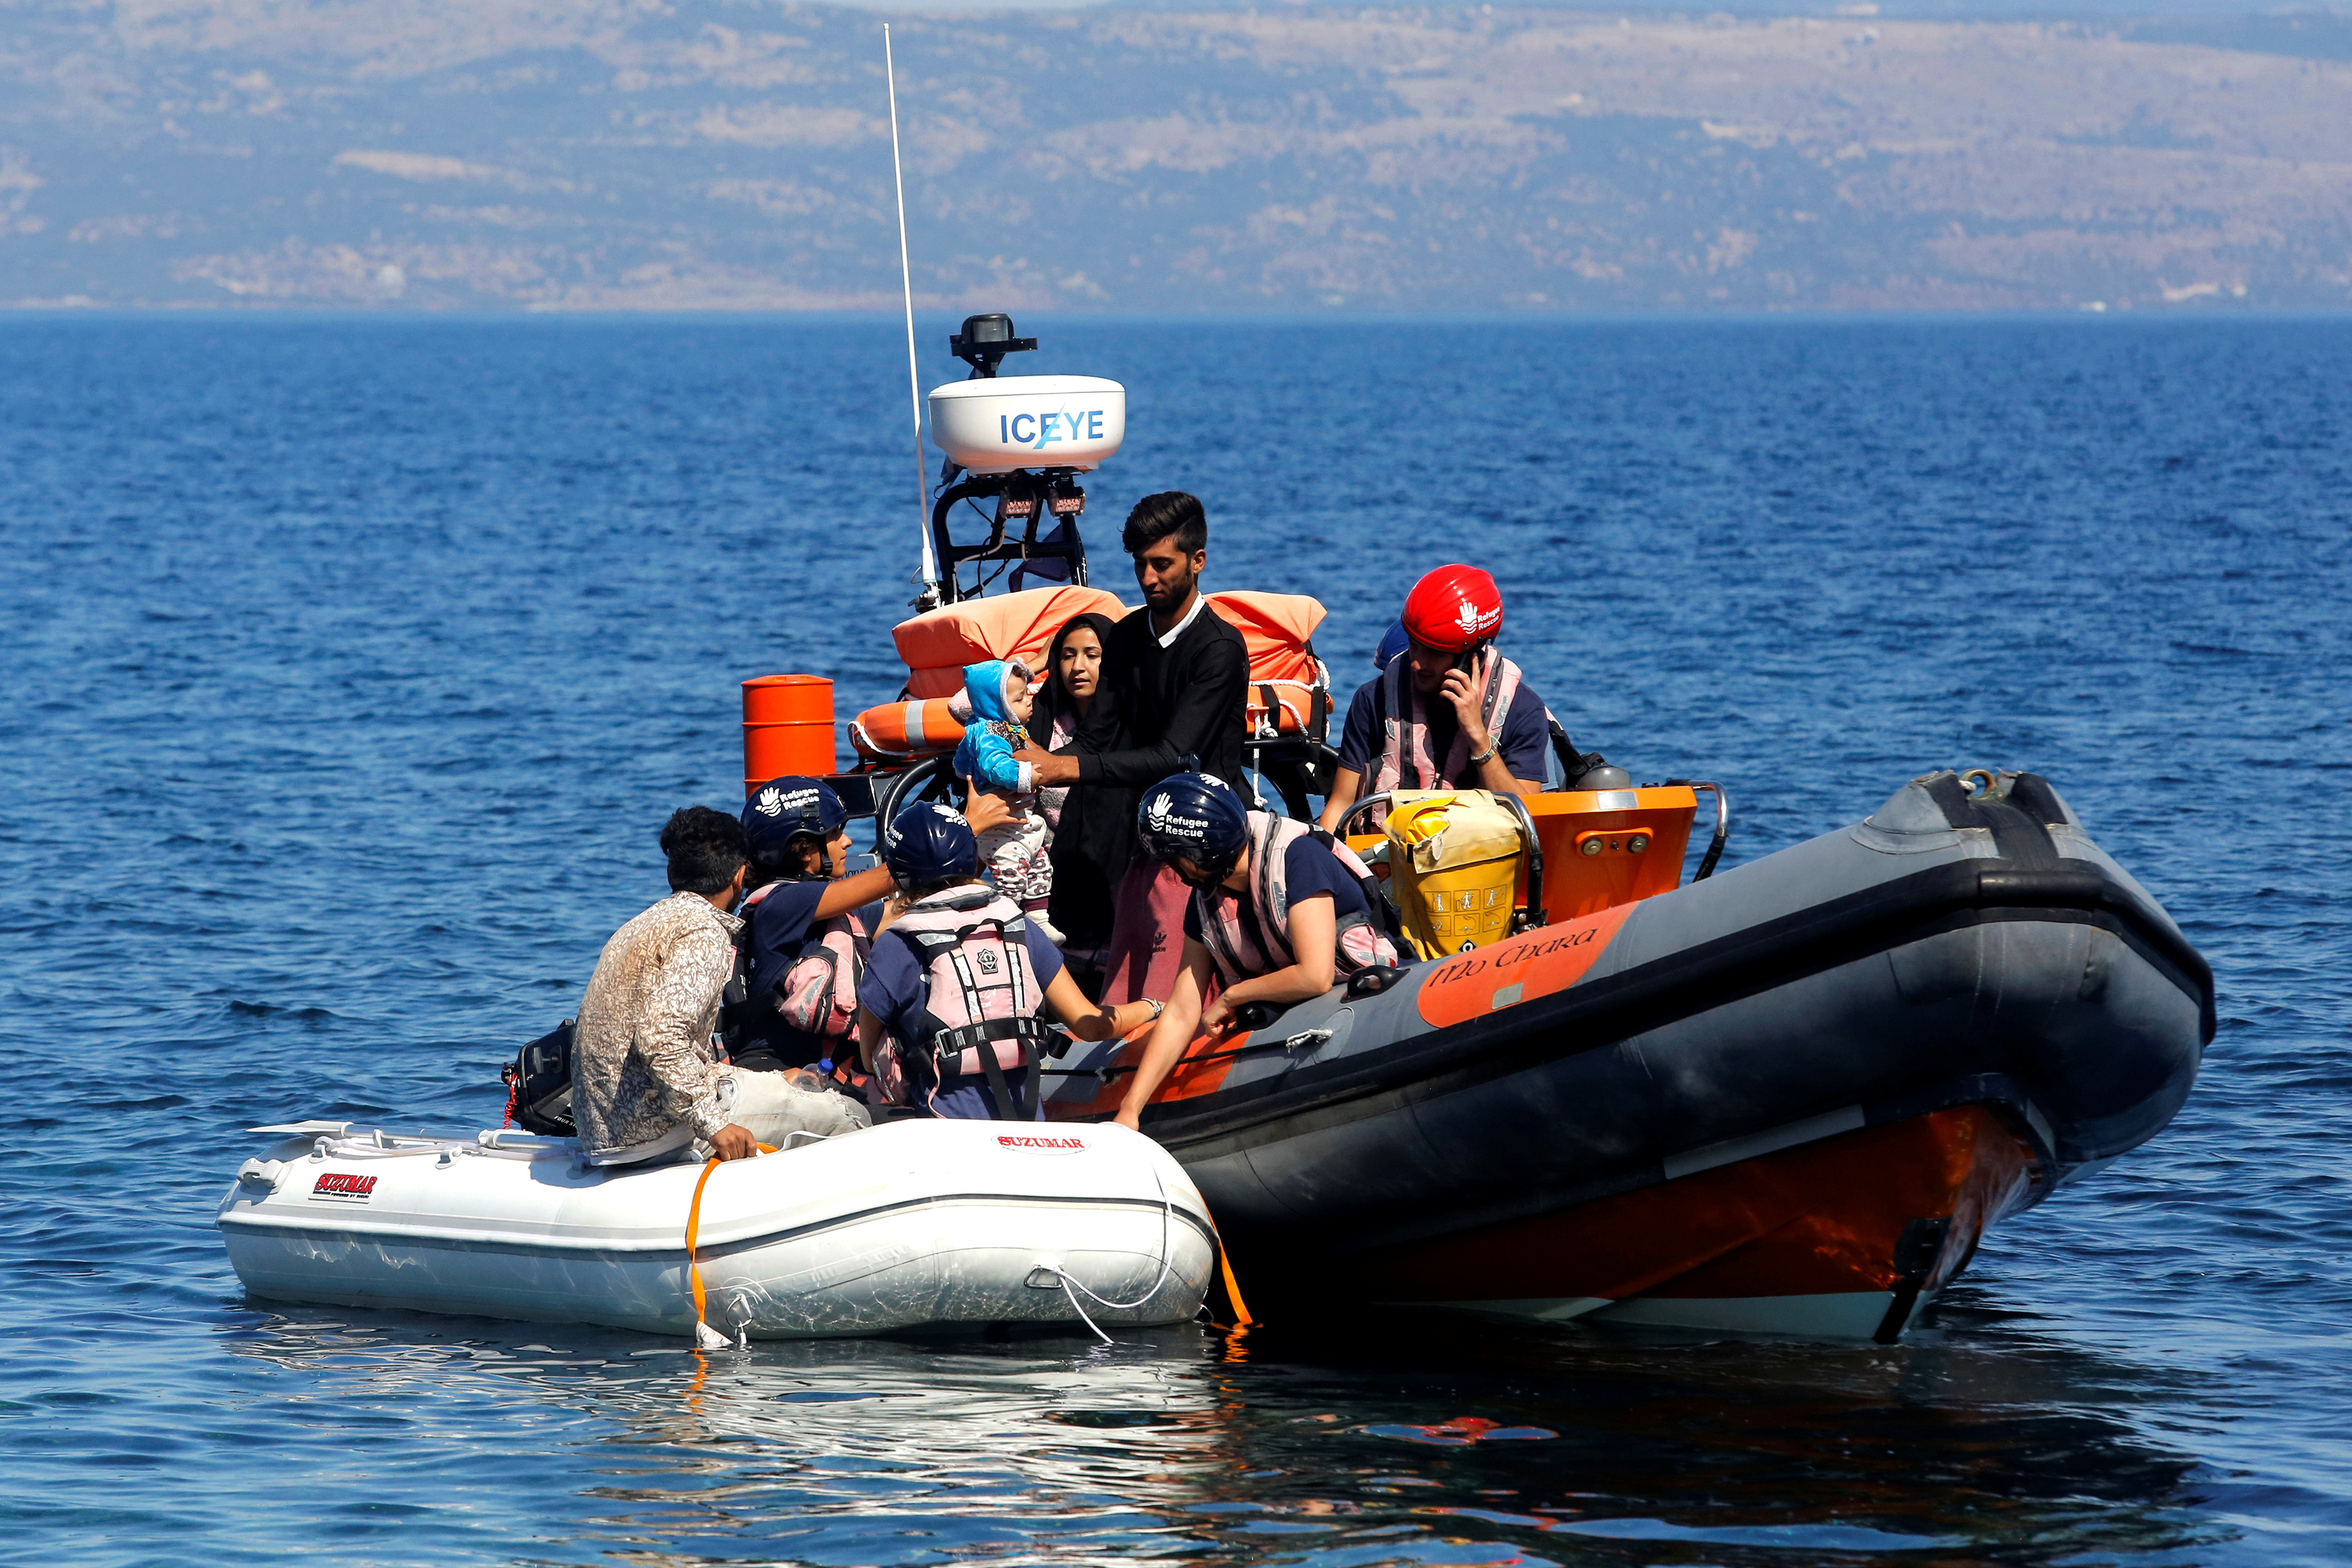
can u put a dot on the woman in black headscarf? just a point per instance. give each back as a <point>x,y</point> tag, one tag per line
<point>1093,830</point>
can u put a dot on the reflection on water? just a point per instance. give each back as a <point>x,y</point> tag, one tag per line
<point>1484,1445</point>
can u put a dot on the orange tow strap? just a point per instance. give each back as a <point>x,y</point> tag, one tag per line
<point>693,1224</point>
<point>1242,1319</point>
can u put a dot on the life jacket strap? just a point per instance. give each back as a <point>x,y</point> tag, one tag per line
<point>981,1040</point>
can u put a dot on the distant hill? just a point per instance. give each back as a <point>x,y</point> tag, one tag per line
<point>607,155</point>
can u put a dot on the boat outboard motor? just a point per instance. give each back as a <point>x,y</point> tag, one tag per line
<point>539,1085</point>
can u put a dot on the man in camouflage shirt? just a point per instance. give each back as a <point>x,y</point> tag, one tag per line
<point>646,1079</point>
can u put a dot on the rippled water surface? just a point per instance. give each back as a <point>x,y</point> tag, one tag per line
<point>351,667</point>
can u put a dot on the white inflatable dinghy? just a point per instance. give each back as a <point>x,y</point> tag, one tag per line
<point>910,1225</point>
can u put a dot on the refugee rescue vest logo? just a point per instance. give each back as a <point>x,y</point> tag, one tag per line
<point>1473,620</point>
<point>344,1186</point>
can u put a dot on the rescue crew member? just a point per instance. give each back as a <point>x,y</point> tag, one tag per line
<point>807,928</point>
<point>646,1080</point>
<point>949,1010</point>
<point>1279,913</point>
<point>1176,677</point>
<point>1451,712</point>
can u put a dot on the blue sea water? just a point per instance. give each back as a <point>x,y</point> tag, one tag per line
<point>351,665</point>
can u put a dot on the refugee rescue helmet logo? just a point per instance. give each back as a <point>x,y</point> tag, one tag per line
<point>1165,819</point>
<point>773,802</point>
<point>1162,816</point>
<point>1452,607</point>
<point>893,834</point>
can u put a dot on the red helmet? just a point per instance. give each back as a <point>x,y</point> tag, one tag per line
<point>1453,608</point>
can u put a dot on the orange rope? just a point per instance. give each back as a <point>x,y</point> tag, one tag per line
<point>694,1225</point>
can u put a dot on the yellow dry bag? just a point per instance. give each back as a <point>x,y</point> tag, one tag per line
<point>1454,868</point>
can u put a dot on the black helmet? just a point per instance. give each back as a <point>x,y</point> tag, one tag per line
<point>929,842</point>
<point>787,808</point>
<point>1197,816</point>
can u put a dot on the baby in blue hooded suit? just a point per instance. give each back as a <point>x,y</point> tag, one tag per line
<point>1014,854</point>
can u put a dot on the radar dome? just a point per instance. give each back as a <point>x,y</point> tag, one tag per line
<point>995,425</point>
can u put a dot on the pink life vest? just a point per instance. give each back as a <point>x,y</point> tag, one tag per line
<point>818,993</point>
<point>1360,944</point>
<point>983,994</point>
<point>1405,760</point>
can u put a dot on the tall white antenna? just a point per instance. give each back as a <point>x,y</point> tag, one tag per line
<point>914,380</point>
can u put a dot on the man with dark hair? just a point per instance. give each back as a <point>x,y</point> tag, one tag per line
<point>1178,677</point>
<point>646,1080</point>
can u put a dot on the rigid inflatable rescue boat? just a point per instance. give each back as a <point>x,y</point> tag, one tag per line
<point>1790,1099</point>
<point>909,1225</point>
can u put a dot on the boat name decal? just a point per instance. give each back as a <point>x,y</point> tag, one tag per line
<point>1516,952</point>
<point>1021,1141</point>
<point>342,1184</point>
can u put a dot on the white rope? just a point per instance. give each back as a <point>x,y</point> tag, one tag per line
<point>1071,1288</point>
<point>1073,1298</point>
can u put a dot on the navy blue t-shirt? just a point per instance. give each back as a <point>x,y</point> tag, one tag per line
<point>897,992</point>
<point>1527,732</point>
<point>1309,870</point>
<point>778,931</point>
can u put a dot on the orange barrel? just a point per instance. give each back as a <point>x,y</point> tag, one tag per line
<point>787,728</point>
